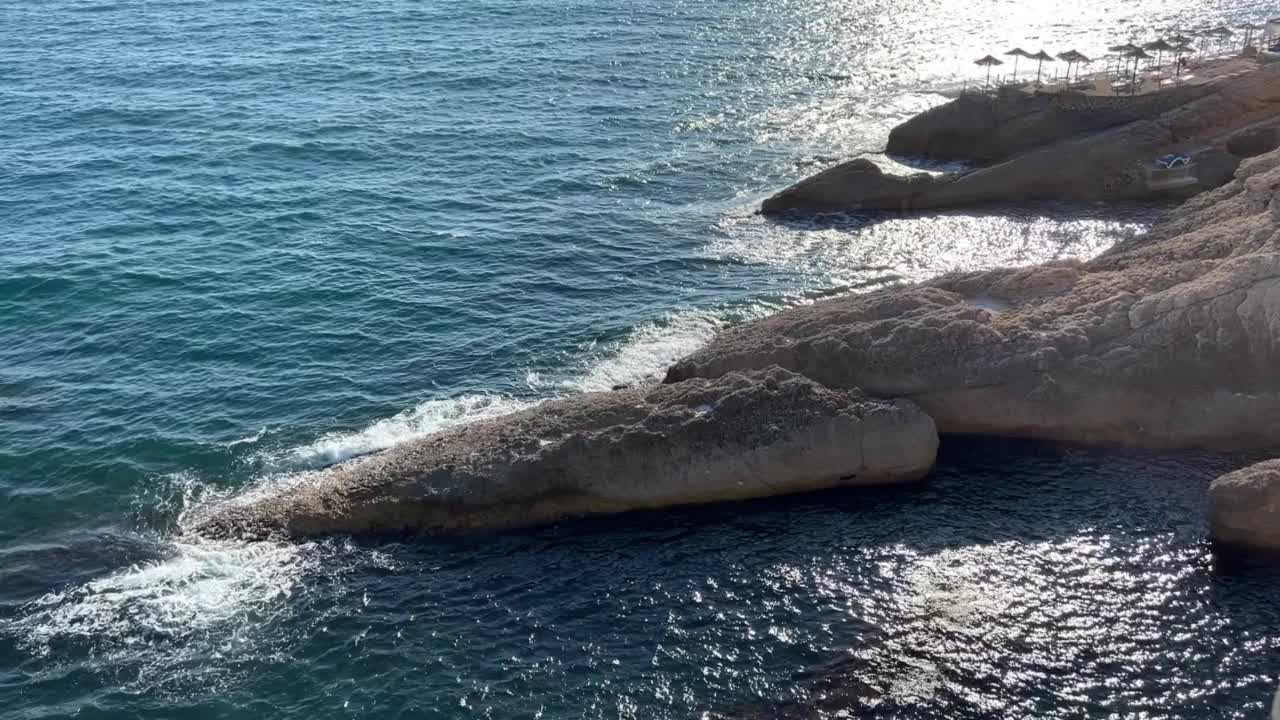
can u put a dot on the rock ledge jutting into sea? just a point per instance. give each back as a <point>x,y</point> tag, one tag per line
<point>1068,147</point>
<point>742,435</point>
<point>1168,340</point>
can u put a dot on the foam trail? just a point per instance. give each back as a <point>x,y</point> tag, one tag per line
<point>648,351</point>
<point>249,439</point>
<point>204,596</point>
<point>200,586</point>
<point>192,599</point>
<point>642,356</point>
<point>427,418</point>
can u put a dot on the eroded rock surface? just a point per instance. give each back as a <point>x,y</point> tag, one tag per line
<point>741,435</point>
<point>986,129</point>
<point>1244,508</point>
<point>1070,147</point>
<point>1170,340</point>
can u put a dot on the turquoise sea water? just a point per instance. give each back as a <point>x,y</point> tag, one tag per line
<point>240,240</point>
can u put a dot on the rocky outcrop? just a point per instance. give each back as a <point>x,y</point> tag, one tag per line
<point>1073,148</point>
<point>855,185</point>
<point>1233,103</point>
<point>741,435</point>
<point>1109,166</point>
<point>986,129</point>
<point>1244,508</point>
<point>1171,340</point>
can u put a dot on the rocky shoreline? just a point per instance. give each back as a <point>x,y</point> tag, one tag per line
<point>1069,147</point>
<point>1171,340</point>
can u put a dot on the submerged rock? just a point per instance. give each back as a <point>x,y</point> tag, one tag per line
<point>743,435</point>
<point>1244,508</point>
<point>1169,340</point>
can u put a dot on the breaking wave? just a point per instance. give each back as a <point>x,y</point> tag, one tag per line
<point>193,597</point>
<point>424,419</point>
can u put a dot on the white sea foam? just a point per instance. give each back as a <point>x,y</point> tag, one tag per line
<point>639,357</point>
<point>862,252</point>
<point>426,418</point>
<point>174,602</point>
<point>250,439</point>
<point>647,351</point>
<point>198,597</point>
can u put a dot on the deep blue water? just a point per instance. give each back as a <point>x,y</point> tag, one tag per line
<point>243,239</point>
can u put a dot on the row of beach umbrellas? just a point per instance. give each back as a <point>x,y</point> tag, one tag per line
<point>1177,44</point>
<point>1071,57</point>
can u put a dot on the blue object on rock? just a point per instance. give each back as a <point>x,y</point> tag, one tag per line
<point>1173,160</point>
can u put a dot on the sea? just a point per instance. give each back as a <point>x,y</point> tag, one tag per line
<point>241,240</point>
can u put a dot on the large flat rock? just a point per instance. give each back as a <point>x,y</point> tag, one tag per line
<point>1171,340</point>
<point>1069,147</point>
<point>986,129</point>
<point>742,435</point>
<point>1107,166</point>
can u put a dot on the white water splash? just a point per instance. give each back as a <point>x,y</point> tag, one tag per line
<point>646,353</point>
<point>640,357</point>
<point>428,417</point>
<point>199,587</point>
<point>249,439</point>
<point>203,597</point>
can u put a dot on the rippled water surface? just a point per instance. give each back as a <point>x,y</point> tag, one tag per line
<point>241,240</point>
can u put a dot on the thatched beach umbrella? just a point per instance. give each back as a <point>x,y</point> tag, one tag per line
<point>1071,57</point>
<point>1108,59</point>
<point>1040,59</point>
<point>1138,54</point>
<point>1120,51</point>
<point>1082,59</point>
<point>1249,29</point>
<point>1222,33</point>
<point>1159,46</point>
<point>1207,39</point>
<point>988,62</point>
<point>1017,53</point>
